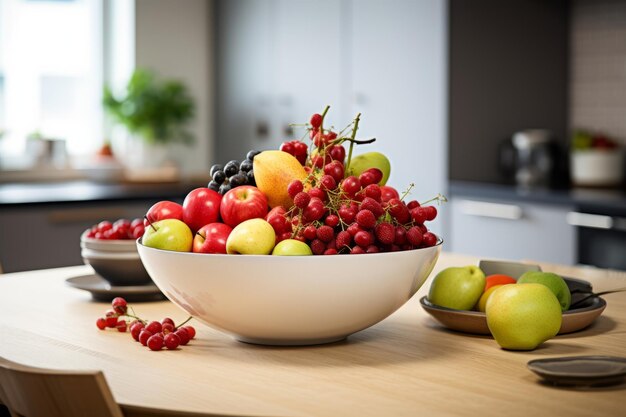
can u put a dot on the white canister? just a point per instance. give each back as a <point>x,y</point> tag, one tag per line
<point>597,167</point>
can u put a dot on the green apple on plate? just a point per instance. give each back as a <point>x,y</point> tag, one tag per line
<point>168,234</point>
<point>292,247</point>
<point>457,287</point>
<point>251,237</point>
<point>521,317</point>
<point>554,282</point>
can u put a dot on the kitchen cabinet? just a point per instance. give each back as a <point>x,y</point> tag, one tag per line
<point>512,230</point>
<point>280,61</point>
<point>48,235</point>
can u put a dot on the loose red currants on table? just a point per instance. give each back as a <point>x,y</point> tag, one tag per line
<point>154,334</point>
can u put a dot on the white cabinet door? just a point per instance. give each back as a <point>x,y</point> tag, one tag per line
<point>308,61</point>
<point>398,81</point>
<point>505,230</point>
<point>245,95</point>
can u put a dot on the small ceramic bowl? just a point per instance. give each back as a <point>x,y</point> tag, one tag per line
<point>101,245</point>
<point>116,261</point>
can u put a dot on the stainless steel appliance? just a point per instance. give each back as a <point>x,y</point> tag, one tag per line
<point>601,238</point>
<point>528,158</point>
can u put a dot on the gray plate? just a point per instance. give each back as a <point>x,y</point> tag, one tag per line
<point>101,290</point>
<point>581,370</point>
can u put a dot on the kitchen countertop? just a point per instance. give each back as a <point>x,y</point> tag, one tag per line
<point>13,194</point>
<point>596,200</point>
<point>405,365</point>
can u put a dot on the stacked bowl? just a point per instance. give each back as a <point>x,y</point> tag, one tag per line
<point>116,261</point>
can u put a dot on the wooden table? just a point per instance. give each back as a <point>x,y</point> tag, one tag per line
<point>405,365</point>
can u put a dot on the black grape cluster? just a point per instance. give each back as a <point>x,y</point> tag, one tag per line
<point>233,174</point>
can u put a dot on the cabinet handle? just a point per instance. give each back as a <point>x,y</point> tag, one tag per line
<point>594,221</point>
<point>493,210</point>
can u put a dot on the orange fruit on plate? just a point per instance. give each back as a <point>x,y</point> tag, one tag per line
<point>498,279</point>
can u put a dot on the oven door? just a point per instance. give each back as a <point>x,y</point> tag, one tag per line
<point>601,239</point>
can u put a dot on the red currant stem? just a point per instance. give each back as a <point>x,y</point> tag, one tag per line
<point>354,129</point>
<point>132,316</point>
<point>323,117</point>
<point>439,198</point>
<point>183,323</point>
<point>407,191</point>
<point>150,223</point>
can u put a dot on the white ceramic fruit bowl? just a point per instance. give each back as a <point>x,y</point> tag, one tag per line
<point>289,300</point>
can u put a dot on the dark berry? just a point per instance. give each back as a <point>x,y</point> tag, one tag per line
<point>238,179</point>
<point>213,186</point>
<point>224,188</point>
<point>215,168</point>
<point>251,154</point>
<point>218,177</point>
<point>231,168</point>
<point>246,165</point>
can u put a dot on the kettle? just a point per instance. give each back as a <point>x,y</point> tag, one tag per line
<point>528,157</point>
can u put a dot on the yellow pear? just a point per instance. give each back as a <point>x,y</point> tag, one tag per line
<point>273,171</point>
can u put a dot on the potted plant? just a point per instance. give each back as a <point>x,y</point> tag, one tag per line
<point>156,111</point>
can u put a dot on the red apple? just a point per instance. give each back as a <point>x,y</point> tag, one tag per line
<point>243,203</point>
<point>163,210</point>
<point>200,207</point>
<point>280,210</point>
<point>211,238</point>
<point>387,193</point>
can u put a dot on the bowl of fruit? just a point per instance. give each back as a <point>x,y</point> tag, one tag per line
<point>520,305</point>
<point>110,249</point>
<point>297,246</point>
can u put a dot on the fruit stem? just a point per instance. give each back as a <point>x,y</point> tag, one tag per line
<point>323,117</point>
<point>407,191</point>
<point>183,323</point>
<point>132,316</point>
<point>150,223</point>
<point>439,198</point>
<point>354,130</point>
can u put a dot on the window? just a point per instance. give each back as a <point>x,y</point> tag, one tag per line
<point>51,74</point>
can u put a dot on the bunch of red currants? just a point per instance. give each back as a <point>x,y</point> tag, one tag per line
<point>350,215</point>
<point>154,334</point>
<point>120,229</point>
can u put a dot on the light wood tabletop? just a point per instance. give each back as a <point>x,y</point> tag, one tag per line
<point>405,365</point>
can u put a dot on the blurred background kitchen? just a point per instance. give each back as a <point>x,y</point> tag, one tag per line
<point>516,111</point>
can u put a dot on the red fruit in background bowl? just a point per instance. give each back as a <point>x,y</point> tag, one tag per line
<point>163,210</point>
<point>211,238</point>
<point>243,203</point>
<point>201,206</point>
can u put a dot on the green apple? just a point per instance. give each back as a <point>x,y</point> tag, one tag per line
<point>553,281</point>
<point>368,160</point>
<point>168,234</point>
<point>521,317</point>
<point>251,237</point>
<point>292,247</point>
<point>457,287</point>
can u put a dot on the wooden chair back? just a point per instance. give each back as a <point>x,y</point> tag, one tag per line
<point>35,392</point>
